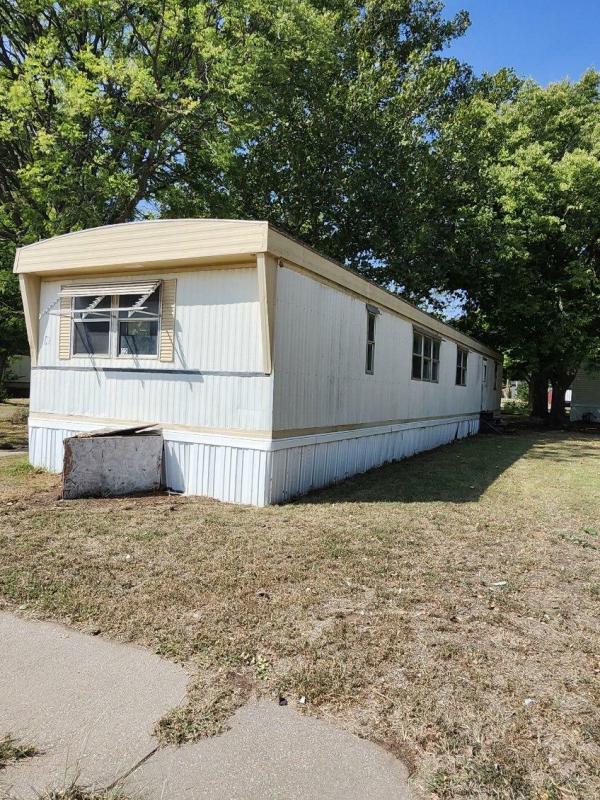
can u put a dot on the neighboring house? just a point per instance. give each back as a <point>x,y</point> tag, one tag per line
<point>585,394</point>
<point>18,375</point>
<point>271,369</point>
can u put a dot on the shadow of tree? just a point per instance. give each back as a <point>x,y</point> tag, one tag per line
<point>457,473</point>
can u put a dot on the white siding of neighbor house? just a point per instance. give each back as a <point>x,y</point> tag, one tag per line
<point>217,345</point>
<point>585,396</point>
<point>320,351</point>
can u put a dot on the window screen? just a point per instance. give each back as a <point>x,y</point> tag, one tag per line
<point>138,325</point>
<point>461,366</point>
<point>370,360</point>
<point>91,325</point>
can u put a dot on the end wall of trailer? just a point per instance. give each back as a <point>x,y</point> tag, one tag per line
<point>213,401</point>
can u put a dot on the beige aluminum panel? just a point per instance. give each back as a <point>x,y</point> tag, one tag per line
<point>104,288</point>
<point>138,245</point>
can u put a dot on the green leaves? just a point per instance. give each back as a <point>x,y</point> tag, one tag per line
<point>529,182</point>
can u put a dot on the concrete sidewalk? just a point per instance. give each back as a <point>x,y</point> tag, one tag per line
<point>90,705</point>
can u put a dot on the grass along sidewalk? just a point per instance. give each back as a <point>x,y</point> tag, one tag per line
<point>447,606</point>
<point>12,750</point>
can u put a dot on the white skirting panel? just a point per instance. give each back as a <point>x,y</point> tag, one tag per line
<point>298,470</point>
<point>234,474</point>
<point>259,472</point>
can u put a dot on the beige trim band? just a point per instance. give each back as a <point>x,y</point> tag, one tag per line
<point>107,421</point>
<point>252,434</point>
<point>289,432</point>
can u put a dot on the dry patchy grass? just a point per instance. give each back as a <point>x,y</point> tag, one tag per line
<point>13,426</point>
<point>447,606</point>
<point>12,750</point>
<point>75,792</point>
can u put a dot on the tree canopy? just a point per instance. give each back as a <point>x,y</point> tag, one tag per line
<point>524,244</point>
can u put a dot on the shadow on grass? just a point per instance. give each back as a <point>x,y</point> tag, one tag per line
<point>456,473</point>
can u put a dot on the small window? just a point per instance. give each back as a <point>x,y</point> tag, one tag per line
<point>461,366</point>
<point>138,325</point>
<point>425,358</point>
<point>91,325</point>
<point>484,374</point>
<point>370,361</point>
<point>496,373</point>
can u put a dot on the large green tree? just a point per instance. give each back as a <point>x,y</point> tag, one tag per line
<point>314,113</point>
<point>344,160</point>
<point>523,240</point>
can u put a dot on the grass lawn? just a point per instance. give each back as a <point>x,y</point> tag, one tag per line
<point>13,426</point>
<point>447,606</point>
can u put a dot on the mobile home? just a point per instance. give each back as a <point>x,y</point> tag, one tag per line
<point>271,369</point>
<point>585,394</point>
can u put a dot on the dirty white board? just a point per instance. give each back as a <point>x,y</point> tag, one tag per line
<point>111,465</point>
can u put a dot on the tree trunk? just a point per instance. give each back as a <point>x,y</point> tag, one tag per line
<point>538,395</point>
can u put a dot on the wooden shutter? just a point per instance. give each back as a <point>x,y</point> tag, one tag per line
<point>64,329</point>
<point>167,321</point>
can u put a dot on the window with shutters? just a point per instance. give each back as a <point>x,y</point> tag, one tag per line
<point>118,319</point>
<point>425,358</point>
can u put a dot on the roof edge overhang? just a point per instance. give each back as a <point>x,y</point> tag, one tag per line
<point>170,244</point>
<point>145,245</point>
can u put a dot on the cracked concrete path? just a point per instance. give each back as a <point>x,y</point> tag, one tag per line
<point>273,753</point>
<point>90,705</point>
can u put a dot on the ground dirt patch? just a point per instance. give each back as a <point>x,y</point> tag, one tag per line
<point>447,606</point>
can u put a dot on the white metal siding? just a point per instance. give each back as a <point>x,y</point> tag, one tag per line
<point>297,470</point>
<point>217,324</point>
<point>585,397</point>
<point>320,380</point>
<point>217,334</point>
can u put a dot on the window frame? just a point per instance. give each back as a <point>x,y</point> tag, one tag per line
<point>372,314</point>
<point>114,328</point>
<point>484,372</point>
<point>119,320</point>
<point>75,320</point>
<point>462,366</point>
<point>429,343</point>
